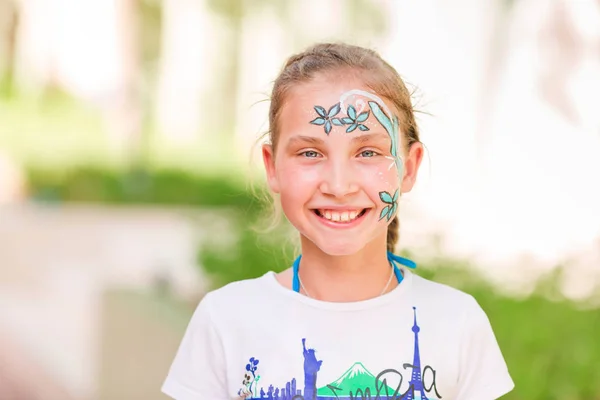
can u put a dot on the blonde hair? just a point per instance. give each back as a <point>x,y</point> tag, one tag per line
<point>376,74</point>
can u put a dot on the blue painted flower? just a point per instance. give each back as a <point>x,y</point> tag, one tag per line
<point>355,120</point>
<point>252,365</point>
<point>392,204</point>
<point>326,117</point>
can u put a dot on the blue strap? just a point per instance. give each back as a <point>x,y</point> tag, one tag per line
<point>296,279</point>
<point>392,259</point>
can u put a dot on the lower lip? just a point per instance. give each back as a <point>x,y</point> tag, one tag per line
<point>341,225</point>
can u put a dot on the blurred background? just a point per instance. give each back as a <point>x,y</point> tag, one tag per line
<point>128,138</point>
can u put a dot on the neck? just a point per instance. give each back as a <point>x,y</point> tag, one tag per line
<point>354,277</point>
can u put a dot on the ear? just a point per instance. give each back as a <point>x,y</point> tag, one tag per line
<point>411,166</point>
<point>269,161</point>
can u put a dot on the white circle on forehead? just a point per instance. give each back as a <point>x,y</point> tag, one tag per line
<point>368,95</point>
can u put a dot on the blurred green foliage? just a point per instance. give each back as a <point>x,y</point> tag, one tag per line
<point>138,186</point>
<point>50,129</point>
<point>55,132</point>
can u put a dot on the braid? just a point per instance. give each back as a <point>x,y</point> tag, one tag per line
<point>392,234</point>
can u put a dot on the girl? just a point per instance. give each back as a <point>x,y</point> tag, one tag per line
<point>349,320</point>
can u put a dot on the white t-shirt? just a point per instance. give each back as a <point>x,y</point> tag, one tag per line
<point>258,339</point>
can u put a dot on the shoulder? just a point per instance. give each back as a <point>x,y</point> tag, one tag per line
<point>442,293</point>
<point>237,297</point>
<point>445,300</point>
<point>240,288</point>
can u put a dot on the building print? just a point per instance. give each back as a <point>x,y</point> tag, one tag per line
<point>311,367</point>
<point>357,382</point>
<point>416,383</point>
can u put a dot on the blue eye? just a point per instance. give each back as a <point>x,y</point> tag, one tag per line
<point>310,154</point>
<point>368,153</point>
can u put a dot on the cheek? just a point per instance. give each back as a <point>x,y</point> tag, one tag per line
<point>297,180</point>
<point>379,177</point>
<point>382,186</point>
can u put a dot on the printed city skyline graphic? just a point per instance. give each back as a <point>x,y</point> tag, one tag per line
<point>357,382</point>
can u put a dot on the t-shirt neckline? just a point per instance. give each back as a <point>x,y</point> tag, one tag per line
<point>399,291</point>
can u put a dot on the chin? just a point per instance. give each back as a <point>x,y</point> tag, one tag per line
<point>342,248</point>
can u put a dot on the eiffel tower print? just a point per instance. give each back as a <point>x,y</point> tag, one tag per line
<point>416,383</point>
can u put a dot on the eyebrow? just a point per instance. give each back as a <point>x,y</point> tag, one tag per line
<point>370,136</point>
<point>305,139</point>
<point>358,138</point>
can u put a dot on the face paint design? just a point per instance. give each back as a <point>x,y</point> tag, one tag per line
<point>327,120</point>
<point>392,204</point>
<point>392,129</point>
<point>326,117</point>
<point>355,120</point>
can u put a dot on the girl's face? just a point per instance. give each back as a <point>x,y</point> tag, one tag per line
<point>340,164</point>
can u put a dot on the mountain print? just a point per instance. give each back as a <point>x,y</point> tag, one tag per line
<point>357,377</point>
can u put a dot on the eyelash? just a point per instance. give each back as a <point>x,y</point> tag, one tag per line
<point>308,151</point>
<point>375,153</point>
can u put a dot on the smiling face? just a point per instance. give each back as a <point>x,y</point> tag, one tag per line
<point>339,165</point>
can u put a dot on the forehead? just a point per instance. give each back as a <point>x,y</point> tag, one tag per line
<point>324,91</point>
<point>325,88</point>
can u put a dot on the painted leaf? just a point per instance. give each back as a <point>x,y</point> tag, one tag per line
<point>321,111</point>
<point>362,117</point>
<point>347,120</point>
<point>351,128</point>
<point>384,212</point>
<point>387,124</point>
<point>395,198</point>
<point>382,118</point>
<point>247,367</point>
<point>395,121</point>
<point>352,112</point>
<point>393,210</point>
<point>363,127</point>
<point>386,197</point>
<point>394,149</point>
<point>389,216</point>
<point>337,122</point>
<point>334,110</point>
<point>327,127</point>
<point>317,121</point>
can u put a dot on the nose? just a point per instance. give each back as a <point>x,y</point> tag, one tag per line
<point>339,179</point>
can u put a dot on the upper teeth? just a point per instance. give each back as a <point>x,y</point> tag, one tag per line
<point>337,216</point>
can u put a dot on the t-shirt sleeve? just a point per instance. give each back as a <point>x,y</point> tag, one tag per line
<point>198,370</point>
<point>483,371</point>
